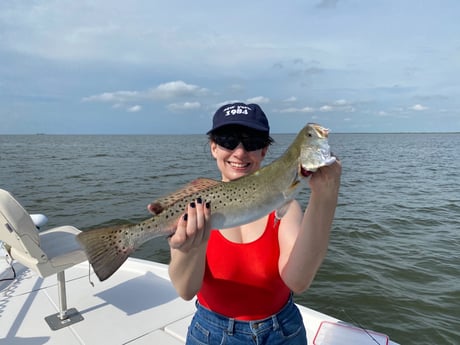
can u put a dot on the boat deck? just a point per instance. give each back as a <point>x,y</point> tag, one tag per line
<point>137,305</point>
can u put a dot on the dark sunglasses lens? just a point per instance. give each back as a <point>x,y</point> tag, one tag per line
<point>229,142</point>
<point>254,143</point>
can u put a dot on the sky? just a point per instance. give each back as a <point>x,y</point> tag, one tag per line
<point>164,67</point>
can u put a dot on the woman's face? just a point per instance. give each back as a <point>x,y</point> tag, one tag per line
<point>237,162</point>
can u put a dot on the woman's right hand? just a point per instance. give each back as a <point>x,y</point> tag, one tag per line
<point>188,249</point>
<point>193,227</point>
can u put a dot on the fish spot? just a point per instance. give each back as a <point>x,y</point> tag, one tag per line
<point>156,208</point>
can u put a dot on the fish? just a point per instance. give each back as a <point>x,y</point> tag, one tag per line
<point>232,203</point>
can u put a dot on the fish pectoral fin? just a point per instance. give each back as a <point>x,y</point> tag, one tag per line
<point>196,186</point>
<point>281,211</point>
<point>289,195</point>
<point>292,189</point>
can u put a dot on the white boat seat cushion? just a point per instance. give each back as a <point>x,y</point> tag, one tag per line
<point>61,247</point>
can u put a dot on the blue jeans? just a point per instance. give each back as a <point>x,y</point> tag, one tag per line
<point>285,327</point>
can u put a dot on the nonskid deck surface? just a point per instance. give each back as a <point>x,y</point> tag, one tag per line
<point>137,305</point>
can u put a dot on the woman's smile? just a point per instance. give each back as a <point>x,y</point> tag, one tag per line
<point>237,165</point>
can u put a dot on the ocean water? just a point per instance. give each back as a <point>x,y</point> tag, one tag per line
<point>394,258</point>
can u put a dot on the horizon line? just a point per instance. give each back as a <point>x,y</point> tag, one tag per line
<point>275,133</point>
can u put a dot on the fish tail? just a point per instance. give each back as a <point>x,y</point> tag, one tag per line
<point>106,249</point>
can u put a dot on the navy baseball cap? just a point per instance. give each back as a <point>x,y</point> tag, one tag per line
<point>248,115</point>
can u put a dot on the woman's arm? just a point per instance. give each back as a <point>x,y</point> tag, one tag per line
<point>188,250</point>
<point>304,237</point>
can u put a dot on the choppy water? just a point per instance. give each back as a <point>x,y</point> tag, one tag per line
<point>394,258</point>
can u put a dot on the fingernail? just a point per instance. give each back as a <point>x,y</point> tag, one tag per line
<point>208,204</point>
<point>192,205</point>
<point>199,201</point>
<point>185,217</point>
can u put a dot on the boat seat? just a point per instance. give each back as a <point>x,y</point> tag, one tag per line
<point>45,252</point>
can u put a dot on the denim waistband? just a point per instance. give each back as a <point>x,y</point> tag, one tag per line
<point>251,327</point>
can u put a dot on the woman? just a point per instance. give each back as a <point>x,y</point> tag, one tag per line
<point>244,277</point>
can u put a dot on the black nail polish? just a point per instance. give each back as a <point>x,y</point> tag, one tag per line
<point>192,205</point>
<point>199,200</point>
<point>185,217</point>
<point>208,204</point>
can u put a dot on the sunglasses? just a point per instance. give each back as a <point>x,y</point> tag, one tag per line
<point>231,141</point>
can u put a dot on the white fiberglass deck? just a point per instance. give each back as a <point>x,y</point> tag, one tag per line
<point>137,305</point>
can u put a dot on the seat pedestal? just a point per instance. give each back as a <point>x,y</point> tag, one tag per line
<point>65,317</point>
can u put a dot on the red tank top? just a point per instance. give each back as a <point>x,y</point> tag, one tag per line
<point>242,280</point>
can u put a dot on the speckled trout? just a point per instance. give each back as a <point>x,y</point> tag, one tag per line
<point>232,203</point>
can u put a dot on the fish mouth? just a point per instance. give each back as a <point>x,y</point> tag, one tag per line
<point>321,132</point>
<point>304,172</point>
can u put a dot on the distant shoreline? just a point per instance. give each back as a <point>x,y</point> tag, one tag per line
<point>180,134</point>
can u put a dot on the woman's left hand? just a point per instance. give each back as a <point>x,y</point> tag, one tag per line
<point>326,180</point>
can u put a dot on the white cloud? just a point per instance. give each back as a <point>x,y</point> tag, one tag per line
<point>307,110</point>
<point>341,102</point>
<point>258,99</point>
<point>134,109</point>
<point>170,90</point>
<point>326,108</point>
<point>118,96</point>
<point>290,110</point>
<point>298,110</point>
<point>418,107</point>
<point>290,99</point>
<point>175,89</point>
<point>338,105</point>
<point>184,106</point>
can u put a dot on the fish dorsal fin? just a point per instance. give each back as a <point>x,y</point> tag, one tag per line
<point>195,186</point>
